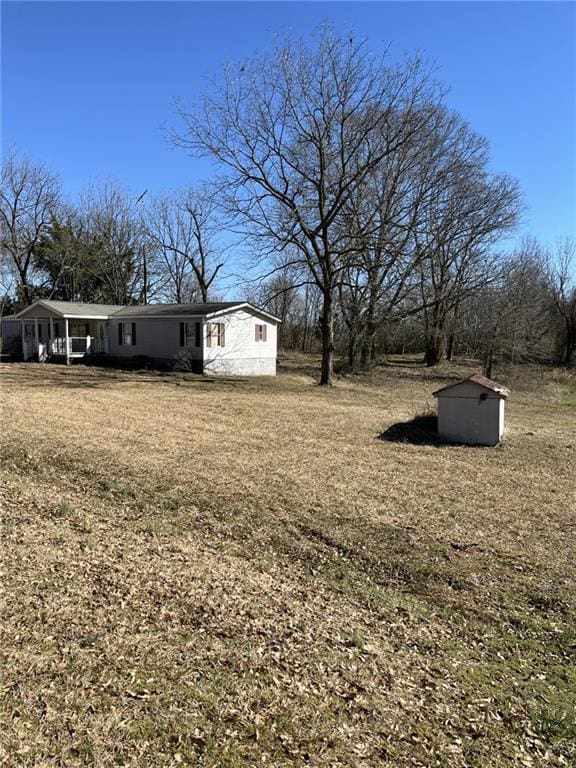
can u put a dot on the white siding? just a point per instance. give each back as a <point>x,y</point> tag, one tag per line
<point>156,337</point>
<point>466,417</point>
<point>242,355</point>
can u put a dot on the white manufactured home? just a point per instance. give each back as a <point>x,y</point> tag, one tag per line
<point>220,337</point>
<point>471,411</point>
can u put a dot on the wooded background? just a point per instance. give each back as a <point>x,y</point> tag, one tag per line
<point>364,205</point>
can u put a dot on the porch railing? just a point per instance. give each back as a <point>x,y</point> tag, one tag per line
<point>98,346</point>
<point>78,346</point>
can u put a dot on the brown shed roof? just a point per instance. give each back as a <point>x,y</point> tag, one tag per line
<point>482,381</point>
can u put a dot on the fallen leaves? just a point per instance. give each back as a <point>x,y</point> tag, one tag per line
<point>349,603</point>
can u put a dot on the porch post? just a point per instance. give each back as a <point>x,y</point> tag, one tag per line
<point>67,340</point>
<point>23,341</point>
<point>37,337</point>
<point>51,339</point>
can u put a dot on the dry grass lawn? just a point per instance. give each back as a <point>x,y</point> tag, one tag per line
<point>241,573</point>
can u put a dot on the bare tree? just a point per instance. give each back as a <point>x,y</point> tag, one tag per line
<point>183,227</point>
<point>562,285</point>
<point>297,132</point>
<point>512,313</point>
<point>29,194</point>
<point>381,276</point>
<point>172,243</point>
<point>280,295</point>
<point>466,212</point>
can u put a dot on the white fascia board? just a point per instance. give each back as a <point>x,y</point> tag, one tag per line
<point>86,317</point>
<point>245,305</point>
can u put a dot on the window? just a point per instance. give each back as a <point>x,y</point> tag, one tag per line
<point>215,335</point>
<point>260,334</point>
<point>127,334</point>
<point>191,332</point>
<point>77,329</point>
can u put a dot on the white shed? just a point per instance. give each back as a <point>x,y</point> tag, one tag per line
<point>471,411</point>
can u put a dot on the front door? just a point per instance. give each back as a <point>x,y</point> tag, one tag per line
<point>29,341</point>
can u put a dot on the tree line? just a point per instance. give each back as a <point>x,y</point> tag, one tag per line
<point>525,313</point>
<point>111,247</point>
<point>369,205</point>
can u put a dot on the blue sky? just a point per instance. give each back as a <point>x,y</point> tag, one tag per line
<point>88,86</point>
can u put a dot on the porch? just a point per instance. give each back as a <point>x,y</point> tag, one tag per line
<point>70,348</point>
<point>42,339</point>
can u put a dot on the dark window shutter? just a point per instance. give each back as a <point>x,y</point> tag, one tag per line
<point>56,330</point>
<point>182,335</point>
<point>133,334</point>
<point>198,333</point>
<point>256,332</point>
<point>120,334</point>
<point>222,335</point>
<point>264,332</point>
<point>208,334</point>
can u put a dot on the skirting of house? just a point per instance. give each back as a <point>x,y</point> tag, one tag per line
<point>255,366</point>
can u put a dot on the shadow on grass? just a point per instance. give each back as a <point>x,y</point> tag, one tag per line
<point>421,430</point>
<point>299,365</point>
<point>74,376</point>
<point>79,375</point>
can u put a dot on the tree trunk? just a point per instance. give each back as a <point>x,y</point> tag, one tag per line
<point>327,328</point>
<point>26,294</point>
<point>488,362</point>
<point>304,345</point>
<point>435,348</point>
<point>452,334</point>
<point>369,344</point>
<point>435,329</point>
<point>450,347</point>
<point>352,351</point>
<point>355,332</point>
<point>306,324</point>
<point>569,347</point>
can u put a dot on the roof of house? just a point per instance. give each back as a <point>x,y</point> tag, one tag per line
<point>174,310</point>
<point>482,381</point>
<point>161,310</point>
<point>78,309</point>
